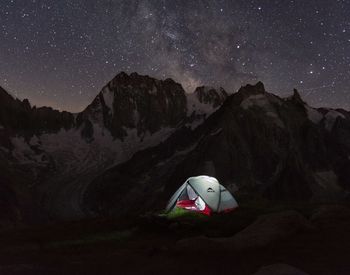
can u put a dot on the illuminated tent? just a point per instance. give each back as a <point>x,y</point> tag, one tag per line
<point>202,194</point>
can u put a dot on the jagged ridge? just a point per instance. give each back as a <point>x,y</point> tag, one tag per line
<point>54,156</point>
<point>257,144</point>
<point>253,141</point>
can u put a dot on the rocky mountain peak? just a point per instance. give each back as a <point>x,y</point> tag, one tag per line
<point>209,95</point>
<point>26,104</point>
<point>137,101</point>
<point>142,83</point>
<point>296,97</point>
<point>133,101</point>
<point>256,143</point>
<point>249,89</point>
<point>4,94</point>
<point>18,115</point>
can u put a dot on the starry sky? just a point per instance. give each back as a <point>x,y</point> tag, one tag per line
<point>61,53</point>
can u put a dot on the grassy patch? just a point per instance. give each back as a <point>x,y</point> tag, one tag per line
<point>180,213</point>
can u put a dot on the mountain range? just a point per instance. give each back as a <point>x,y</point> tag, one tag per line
<point>140,138</point>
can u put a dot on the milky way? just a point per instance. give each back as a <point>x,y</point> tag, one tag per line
<point>60,53</point>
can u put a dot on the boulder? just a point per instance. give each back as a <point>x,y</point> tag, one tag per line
<point>267,229</point>
<point>279,269</point>
<point>270,228</point>
<point>328,213</point>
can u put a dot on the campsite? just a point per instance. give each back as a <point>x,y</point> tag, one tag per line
<point>202,194</point>
<point>174,137</point>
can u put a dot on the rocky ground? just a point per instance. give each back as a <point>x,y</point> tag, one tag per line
<point>255,239</point>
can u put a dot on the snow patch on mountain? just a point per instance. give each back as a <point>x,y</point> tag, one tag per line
<point>263,102</point>
<point>34,141</point>
<point>331,117</point>
<point>24,154</point>
<point>255,100</point>
<point>313,115</point>
<point>216,132</point>
<point>72,154</point>
<point>108,97</point>
<point>136,116</point>
<point>21,149</point>
<point>154,90</point>
<point>327,180</point>
<point>133,143</point>
<point>200,111</point>
<point>77,162</point>
<point>195,106</point>
<point>96,112</point>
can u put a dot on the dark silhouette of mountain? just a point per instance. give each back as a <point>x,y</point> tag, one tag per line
<point>257,144</point>
<point>48,158</point>
<point>137,102</point>
<point>19,116</point>
<point>141,138</point>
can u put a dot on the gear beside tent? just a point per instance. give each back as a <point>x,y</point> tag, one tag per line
<point>202,194</point>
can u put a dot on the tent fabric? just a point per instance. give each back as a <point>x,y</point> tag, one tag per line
<point>227,201</point>
<point>202,194</point>
<point>191,193</point>
<point>197,205</point>
<point>205,187</point>
<point>174,198</point>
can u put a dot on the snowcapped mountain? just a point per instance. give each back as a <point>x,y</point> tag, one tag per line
<point>137,102</point>
<point>142,137</point>
<point>257,144</point>
<point>203,102</point>
<point>56,154</point>
<point>147,105</point>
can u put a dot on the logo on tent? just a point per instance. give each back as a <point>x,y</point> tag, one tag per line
<point>210,189</point>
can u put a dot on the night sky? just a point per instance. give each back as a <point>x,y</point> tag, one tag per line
<point>60,52</point>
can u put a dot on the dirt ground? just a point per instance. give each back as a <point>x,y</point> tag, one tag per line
<point>148,246</point>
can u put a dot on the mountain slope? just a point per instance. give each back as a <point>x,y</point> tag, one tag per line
<point>256,144</point>
<point>141,138</point>
<point>48,158</point>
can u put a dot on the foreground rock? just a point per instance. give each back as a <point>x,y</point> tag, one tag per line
<point>271,228</point>
<point>326,215</point>
<point>279,269</point>
<point>331,211</point>
<point>267,229</point>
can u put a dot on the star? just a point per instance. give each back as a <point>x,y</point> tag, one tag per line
<point>53,46</point>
